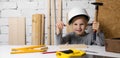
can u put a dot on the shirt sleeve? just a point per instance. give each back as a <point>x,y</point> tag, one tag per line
<point>62,40</point>
<point>99,39</point>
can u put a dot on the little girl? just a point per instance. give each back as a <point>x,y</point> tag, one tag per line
<point>79,18</point>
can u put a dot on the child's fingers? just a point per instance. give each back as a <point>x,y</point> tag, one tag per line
<point>60,25</point>
<point>95,25</point>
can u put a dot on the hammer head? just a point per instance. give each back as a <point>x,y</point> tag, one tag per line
<point>97,3</point>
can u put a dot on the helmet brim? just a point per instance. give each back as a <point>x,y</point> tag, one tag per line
<point>86,18</point>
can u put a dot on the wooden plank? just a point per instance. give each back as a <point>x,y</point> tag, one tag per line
<point>36,29</point>
<point>49,22</point>
<point>52,21</point>
<point>43,30</point>
<point>109,18</point>
<point>59,18</point>
<point>59,10</point>
<point>17,31</point>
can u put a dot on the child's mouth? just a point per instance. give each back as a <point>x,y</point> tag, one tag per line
<point>78,30</point>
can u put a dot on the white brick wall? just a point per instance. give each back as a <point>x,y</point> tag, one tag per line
<point>3,39</point>
<point>4,0</point>
<point>27,5</point>
<point>28,12</point>
<point>3,21</point>
<point>8,5</point>
<point>4,29</point>
<point>26,8</point>
<point>80,4</point>
<point>20,0</point>
<point>11,13</point>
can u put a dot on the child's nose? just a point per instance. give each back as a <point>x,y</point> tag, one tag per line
<point>79,26</point>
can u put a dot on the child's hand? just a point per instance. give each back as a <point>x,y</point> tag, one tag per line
<point>95,26</point>
<point>59,26</point>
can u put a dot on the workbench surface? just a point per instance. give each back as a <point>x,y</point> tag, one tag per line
<point>91,51</point>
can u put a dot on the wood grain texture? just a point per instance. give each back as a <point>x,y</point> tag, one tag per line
<point>109,18</point>
<point>37,29</point>
<point>52,21</point>
<point>49,22</point>
<point>17,30</point>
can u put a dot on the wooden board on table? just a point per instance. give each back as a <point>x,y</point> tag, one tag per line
<point>17,30</point>
<point>109,18</point>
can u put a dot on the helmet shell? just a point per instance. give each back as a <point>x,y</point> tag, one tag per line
<point>77,12</point>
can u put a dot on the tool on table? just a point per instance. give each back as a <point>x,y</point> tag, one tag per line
<point>56,51</point>
<point>29,49</point>
<point>71,53</point>
<point>97,4</point>
<point>68,53</point>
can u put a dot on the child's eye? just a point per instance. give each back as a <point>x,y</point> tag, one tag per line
<point>75,24</point>
<point>81,24</point>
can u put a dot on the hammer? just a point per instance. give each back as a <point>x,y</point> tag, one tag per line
<point>97,4</point>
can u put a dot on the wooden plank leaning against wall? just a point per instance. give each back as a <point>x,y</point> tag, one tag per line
<point>49,23</point>
<point>38,29</point>
<point>52,21</point>
<point>59,18</point>
<point>17,30</point>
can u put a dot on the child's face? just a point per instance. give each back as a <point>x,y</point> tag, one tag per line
<point>79,25</point>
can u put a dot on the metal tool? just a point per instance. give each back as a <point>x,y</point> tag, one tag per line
<point>97,4</point>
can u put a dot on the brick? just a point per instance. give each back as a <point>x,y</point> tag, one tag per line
<point>4,0</point>
<point>27,5</point>
<point>42,11</point>
<point>28,21</point>
<point>4,38</point>
<point>91,13</point>
<point>13,0</point>
<point>4,29</point>
<point>28,39</point>
<point>8,5</point>
<point>79,0</point>
<point>28,43</point>
<point>64,12</point>
<point>10,13</point>
<point>25,0</point>
<point>3,21</point>
<point>28,12</point>
<point>42,4</point>
<point>80,4</point>
<point>3,43</point>
<point>37,0</point>
<point>28,30</point>
<point>19,0</point>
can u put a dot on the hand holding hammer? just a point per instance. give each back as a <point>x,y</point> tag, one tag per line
<point>96,24</point>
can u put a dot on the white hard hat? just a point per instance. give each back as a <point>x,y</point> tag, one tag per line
<point>77,12</point>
